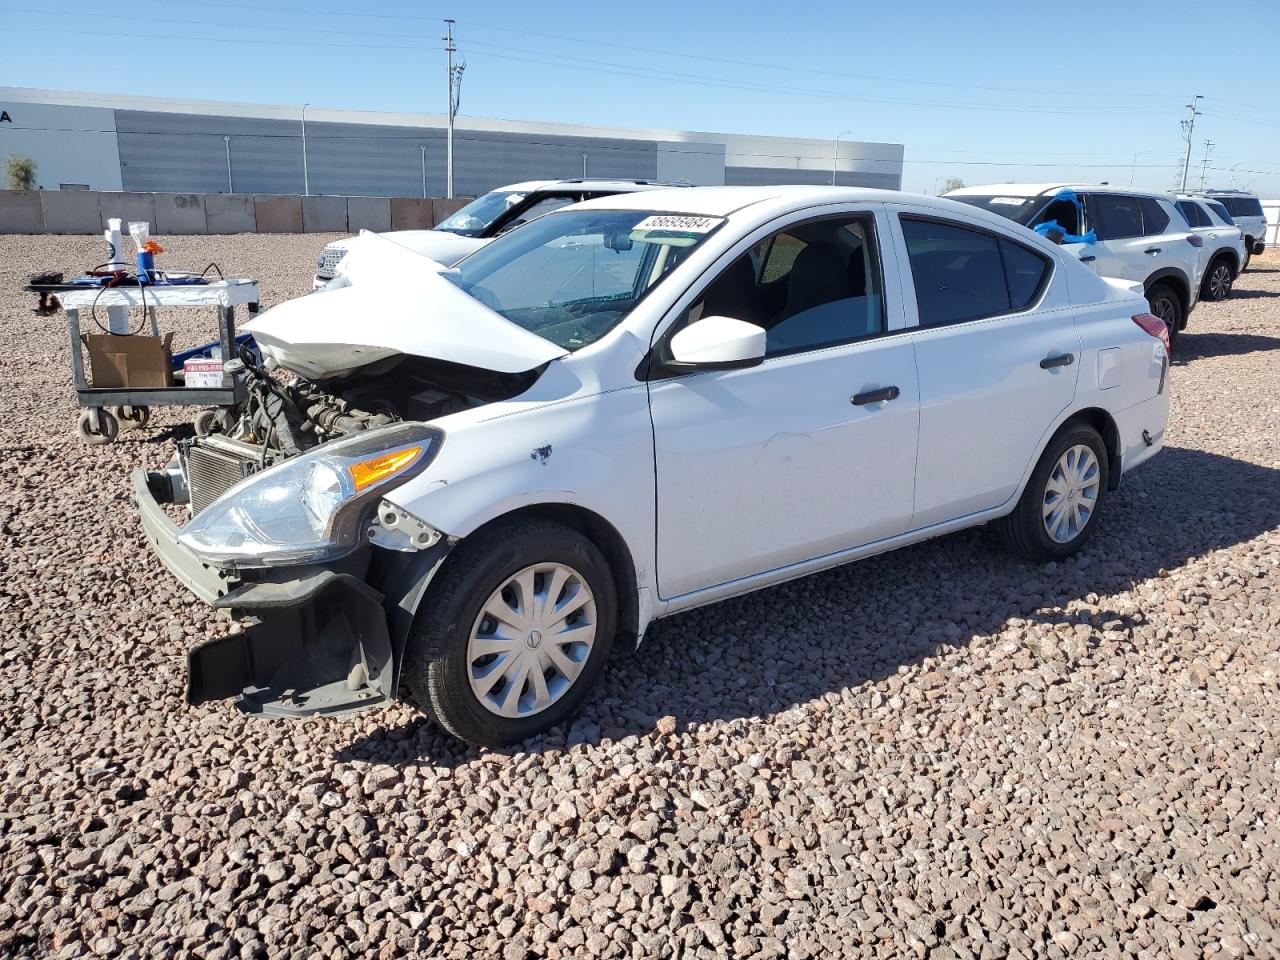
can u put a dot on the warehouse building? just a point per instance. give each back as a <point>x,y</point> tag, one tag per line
<point>143,144</point>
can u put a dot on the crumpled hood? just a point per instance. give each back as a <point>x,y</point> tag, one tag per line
<point>394,301</point>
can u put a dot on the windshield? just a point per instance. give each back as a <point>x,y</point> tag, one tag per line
<point>472,219</point>
<point>1017,209</point>
<point>571,277</point>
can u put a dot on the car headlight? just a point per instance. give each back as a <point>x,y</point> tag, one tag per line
<point>311,507</point>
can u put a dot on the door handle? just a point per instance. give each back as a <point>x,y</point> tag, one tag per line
<point>1088,259</point>
<point>875,396</point>
<point>1062,360</point>
<point>1152,250</point>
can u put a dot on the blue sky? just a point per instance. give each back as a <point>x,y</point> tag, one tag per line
<point>985,92</point>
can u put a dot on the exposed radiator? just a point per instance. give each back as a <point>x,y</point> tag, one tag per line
<point>214,465</point>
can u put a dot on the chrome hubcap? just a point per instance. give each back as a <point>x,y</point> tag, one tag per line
<point>1220,282</point>
<point>531,640</point>
<point>1071,494</point>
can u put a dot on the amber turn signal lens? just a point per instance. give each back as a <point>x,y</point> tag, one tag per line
<point>368,472</point>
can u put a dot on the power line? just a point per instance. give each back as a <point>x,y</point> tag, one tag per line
<point>754,64</point>
<point>627,70</point>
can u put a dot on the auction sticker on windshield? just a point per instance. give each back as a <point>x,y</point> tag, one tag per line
<point>668,221</point>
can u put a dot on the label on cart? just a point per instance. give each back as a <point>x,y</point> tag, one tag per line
<point>202,372</point>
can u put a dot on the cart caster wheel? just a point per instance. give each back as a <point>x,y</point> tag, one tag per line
<point>206,422</point>
<point>132,418</point>
<point>104,431</point>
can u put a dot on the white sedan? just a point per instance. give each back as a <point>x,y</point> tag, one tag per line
<point>482,480</point>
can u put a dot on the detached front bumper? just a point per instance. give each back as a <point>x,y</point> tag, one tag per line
<point>318,639</point>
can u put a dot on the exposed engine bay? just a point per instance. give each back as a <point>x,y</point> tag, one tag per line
<point>286,414</point>
<point>292,415</point>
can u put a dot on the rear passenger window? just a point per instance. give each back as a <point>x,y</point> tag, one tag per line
<point>962,274</point>
<point>1154,218</point>
<point>1025,271</point>
<point>1191,212</point>
<point>1115,217</point>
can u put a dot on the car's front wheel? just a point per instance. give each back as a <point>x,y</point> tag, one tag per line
<point>513,632</point>
<point>1058,511</point>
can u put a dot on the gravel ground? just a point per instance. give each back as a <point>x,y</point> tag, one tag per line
<point>941,752</point>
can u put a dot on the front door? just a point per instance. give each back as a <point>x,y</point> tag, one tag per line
<point>810,452</point>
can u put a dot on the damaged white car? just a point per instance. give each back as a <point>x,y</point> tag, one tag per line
<point>474,482</point>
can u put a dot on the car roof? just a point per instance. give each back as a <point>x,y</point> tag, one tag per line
<point>1030,190</point>
<point>588,183</point>
<point>722,201</point>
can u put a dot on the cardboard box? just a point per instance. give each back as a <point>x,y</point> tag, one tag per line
<point>202,372</point>
<point>130,361</point>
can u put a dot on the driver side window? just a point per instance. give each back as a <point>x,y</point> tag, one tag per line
<point>810,286</point>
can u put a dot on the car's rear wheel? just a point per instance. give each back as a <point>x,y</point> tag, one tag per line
<point>513,632</point>
<point>1058,511</point>
<point>1217,280</point>
<point>1164,303</point>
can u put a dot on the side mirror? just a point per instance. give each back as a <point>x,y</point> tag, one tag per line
<point>717,343</point>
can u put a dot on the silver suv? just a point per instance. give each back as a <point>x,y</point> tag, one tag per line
<point>1246,213</point>
<point>1126,234</point>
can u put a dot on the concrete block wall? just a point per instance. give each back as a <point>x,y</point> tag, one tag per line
<point>229,213</point>
<point>368,213</point>
<point>86,212</point>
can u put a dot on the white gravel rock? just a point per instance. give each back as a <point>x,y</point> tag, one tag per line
<point>940,752</point>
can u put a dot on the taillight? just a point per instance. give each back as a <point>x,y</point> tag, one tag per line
<point>1195,239</point>
<point>1154,326</point>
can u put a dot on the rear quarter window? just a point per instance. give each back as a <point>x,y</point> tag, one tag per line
<point>1155,219</point>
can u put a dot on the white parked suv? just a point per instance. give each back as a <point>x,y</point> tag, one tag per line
<point>471,227</point>
<point>1246,213</point>
<point>1119,233</point>
<point>632,407</point>
<point>1223,253</point>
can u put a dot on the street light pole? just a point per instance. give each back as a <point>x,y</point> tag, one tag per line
<point>424,170</point>
<point>306,179</point>
<point>1133,170</point>
<point>835,152</point>
<point>226,142</point>
<point>584,166</point>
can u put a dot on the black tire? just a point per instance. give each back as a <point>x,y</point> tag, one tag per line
<point>1164,303</point>
<point>1023,531</point>
<point>108,427</point>
<point>1218,278</point>
<point>1248,255</point>
<point>436,669</point>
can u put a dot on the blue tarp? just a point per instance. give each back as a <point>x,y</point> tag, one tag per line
<point>1070,196</point>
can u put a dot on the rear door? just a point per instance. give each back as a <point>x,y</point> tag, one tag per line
<point>996,349</point>
<point>1122,249</point>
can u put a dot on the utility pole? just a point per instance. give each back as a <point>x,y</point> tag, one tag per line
<point>226,142</point>
<point>455,99</point>
<point>1204,164</point>
<point>1188,128</point>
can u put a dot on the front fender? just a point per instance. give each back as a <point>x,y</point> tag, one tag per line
<point>593,452</point>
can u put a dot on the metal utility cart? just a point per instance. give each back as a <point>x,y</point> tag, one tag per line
<point>132,405</point>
